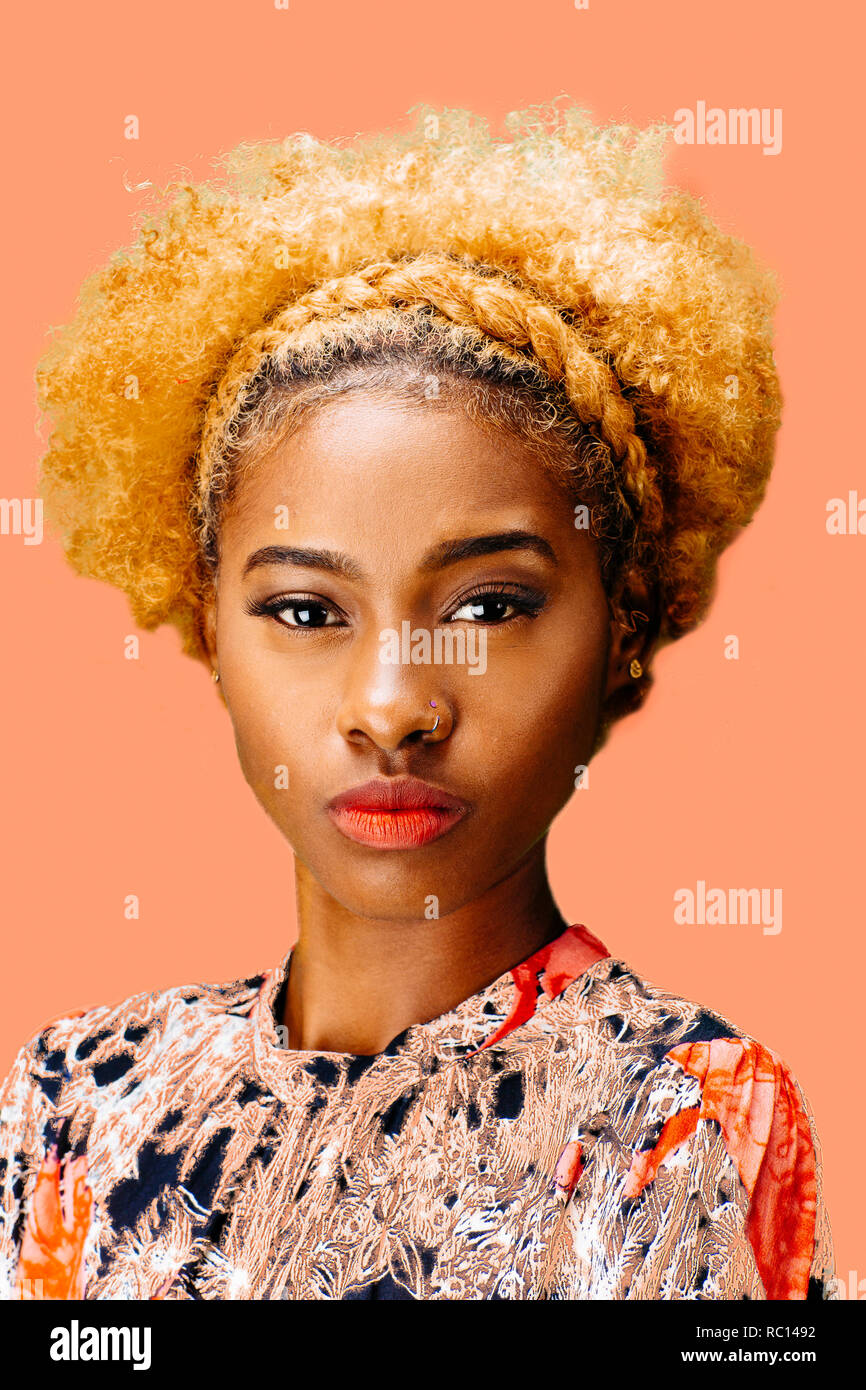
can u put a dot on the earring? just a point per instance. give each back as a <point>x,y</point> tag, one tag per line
<point>216,675</point>
<point>635,669</point>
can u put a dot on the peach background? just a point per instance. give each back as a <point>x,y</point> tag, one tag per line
<point>121,776</point>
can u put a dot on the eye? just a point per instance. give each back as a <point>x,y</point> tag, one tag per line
<point>303,614</point>
<point>308,613</point>
<point>489,606</point>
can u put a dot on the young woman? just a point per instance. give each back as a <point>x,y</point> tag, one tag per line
<point>425,444</point>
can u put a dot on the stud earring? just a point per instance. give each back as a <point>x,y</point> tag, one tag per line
<point>216,675</point>
<point>635,669</point>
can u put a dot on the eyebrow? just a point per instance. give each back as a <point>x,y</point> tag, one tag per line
<point>442,555</point>
<point>331,560</point>
<point>449,552</point>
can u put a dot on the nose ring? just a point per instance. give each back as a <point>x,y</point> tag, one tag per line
<point>436,721</point>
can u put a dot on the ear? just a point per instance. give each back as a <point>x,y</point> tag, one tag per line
<point>634,624</point>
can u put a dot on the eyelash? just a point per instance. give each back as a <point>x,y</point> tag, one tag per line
<point>528,603</point>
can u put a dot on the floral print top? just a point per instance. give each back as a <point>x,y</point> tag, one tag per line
<point>568,1132</point>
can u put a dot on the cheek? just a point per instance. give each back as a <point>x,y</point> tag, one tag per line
<point>569,699</point>
<point>555,690</point>
<point>555,727</point>
<point>535,727</point>
<point>271,734</point>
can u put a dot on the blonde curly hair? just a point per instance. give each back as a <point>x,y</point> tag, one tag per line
<point>548,283</point>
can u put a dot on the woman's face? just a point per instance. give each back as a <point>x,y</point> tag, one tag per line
<point>382,497</point>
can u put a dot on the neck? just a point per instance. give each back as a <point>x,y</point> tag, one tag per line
<point>356,982</point>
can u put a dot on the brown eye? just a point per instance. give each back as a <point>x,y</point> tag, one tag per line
<point>490,608</point>
<point>304,614</point>
<point>307,614</point>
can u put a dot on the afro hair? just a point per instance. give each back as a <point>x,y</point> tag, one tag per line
<point>558,251</point>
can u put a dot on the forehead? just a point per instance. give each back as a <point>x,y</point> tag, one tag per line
<point>369,461</point>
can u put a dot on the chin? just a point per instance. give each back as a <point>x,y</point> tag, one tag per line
<point>394,896</point>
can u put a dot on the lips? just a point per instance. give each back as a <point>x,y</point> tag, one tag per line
<point>395,813</point>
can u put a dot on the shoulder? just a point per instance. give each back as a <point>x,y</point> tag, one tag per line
<point>109,1049</point>
<point>705,1108</point>
<point>650,1037</point>
<point>82,1103</point>
<point>670,1033</point>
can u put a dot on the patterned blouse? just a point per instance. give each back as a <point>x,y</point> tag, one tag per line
<point>565,1133</point>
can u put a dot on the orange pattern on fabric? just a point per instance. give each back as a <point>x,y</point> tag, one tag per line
<point>675,1131</point>
<point>562,961</point>
<point>569,1167</point>
<point>766,1130</point>
<point>51,1263</point>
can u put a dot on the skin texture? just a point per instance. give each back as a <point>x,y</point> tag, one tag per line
<point>384,481</point>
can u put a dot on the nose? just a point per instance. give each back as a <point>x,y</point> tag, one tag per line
<point>390,703</point>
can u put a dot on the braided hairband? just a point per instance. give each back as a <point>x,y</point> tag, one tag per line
<point>491,302</point>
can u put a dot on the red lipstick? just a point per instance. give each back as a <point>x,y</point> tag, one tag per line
<point>395,813</point>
